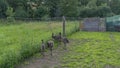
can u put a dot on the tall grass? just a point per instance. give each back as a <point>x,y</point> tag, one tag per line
<point>93,50</point>
<point>20,41</point>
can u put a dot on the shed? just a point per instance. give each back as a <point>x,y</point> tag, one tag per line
<point>94,24</point>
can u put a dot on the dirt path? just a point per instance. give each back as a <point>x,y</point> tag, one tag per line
<point>46,62</point>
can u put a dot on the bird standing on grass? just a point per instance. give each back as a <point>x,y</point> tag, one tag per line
<point>65,41</point>
<point>57,38</point>
<point>50,45</point>
<point>43,48</point>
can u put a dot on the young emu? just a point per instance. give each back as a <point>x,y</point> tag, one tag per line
<point>58,37</point>
<point>50,45</point>
<point>42,48</point>
<point>65,41</point>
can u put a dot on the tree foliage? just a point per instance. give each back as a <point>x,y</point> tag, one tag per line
<point>69,8</point>
<point>41,12</point>
<point>115,6</point>
<point>20,13</point>
<point>10,14</point>
<point>58,8</point>
<point>3,8</point>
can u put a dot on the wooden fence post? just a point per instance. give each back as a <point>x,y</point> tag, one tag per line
<point>64,25</point>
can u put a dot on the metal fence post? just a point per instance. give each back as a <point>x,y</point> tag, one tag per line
<point>64,25</point>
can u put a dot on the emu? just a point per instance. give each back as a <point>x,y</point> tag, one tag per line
<point>60,38</point>
<point>57,37</point>
<point>42,47</point>
<point>50,45</point>
<point>65,41</point>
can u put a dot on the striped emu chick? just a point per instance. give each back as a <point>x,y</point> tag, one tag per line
<point>43,47</point>
<point>50,45</point>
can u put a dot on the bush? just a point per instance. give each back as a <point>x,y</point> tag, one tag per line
<point>45,18</point>
<point>20,13</point>
<point>104,11</point>
<point>101,11</point>
<point>10,19</point>
<point>3,8</point>
<point>41,12</point>
<point>10,14</point>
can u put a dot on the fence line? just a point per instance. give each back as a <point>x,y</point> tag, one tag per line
<point>44,19</point>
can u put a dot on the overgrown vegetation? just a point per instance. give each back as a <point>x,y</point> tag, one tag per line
<point>93,50</point>
<point>58,8</point>
<point>18,42</point>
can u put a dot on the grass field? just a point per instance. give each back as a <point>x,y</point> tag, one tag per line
<point>86,50</point>
<point>93,50</point>
<point>20,41</point>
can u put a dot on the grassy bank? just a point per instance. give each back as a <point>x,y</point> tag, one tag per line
<point>20,41</point>
<point>93,50</point>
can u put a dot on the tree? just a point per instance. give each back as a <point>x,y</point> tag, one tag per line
<point>3,8</point>
<point>92,4</point>
<point>83,2</point>
<point>20,13</point>
<point>100,2</point>
<point>54,6</point>
<point>58,8</point>
<point>10,14</point>
<point>16,3</point>
<point>115,6</point>
<point>41,12</point>
<point>69,8</point>
<point>104,11</point>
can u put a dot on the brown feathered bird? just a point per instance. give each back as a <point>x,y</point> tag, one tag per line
<point>42,47</point>
<point>50,45</point>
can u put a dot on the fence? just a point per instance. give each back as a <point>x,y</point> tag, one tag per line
<point>94,24</point>
<point>113,23</point>
<point>20,41</point>
<point>88,24</point>
<point>24,43</point>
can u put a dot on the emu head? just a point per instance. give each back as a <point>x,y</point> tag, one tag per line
<point>52,35</point>
<point>60,33</point>
<point>42,40</point>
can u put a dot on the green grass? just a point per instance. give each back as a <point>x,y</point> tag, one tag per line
<point>93,50</point>
<point>20,41</point>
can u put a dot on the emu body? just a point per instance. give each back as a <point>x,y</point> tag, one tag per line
<point>42,48</point>
<point>50,45</point>
<point>57,37</point>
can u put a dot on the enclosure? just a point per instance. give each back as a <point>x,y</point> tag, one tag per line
<point>21,38</point>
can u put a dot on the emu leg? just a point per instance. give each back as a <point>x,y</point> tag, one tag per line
<point>42,53</point>
<point>51,51</point>
<point>65,46</point>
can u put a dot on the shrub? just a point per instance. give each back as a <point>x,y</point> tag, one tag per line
<point>20,13</point>
<point>42,11</point>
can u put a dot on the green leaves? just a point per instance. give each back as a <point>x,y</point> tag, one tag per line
<point>69,8</point>
<point>3,8</point>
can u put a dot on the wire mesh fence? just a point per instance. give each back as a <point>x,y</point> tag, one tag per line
<point>113,23</point>
<point>22,38</point>
<point>86,24</point>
